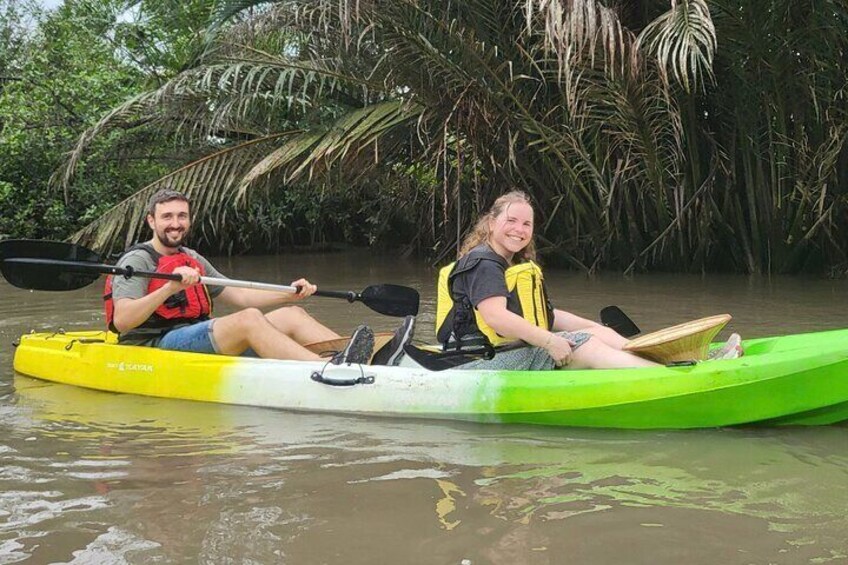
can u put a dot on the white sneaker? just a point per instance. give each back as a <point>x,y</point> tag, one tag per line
<point>391,353</point>
<point>730,350</point>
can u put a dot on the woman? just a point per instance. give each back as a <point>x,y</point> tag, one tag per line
<point>495,289</point>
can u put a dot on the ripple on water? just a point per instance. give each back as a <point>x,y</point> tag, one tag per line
<point>30,508</point>
<point>404,474</point>
<point>113,547</point>
<point>250,535</point>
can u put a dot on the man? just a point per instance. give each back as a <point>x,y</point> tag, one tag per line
<point>176,315</point>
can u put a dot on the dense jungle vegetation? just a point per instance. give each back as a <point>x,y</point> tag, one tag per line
<point>685,135</point>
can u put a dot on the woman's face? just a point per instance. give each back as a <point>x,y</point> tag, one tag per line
<point>512,230</point>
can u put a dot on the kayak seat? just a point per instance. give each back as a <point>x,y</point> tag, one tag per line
<point>437,360</point>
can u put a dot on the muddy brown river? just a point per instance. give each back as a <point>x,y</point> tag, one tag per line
<point>92,477</point>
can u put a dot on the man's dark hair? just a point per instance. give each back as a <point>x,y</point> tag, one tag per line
<point>165,195</point>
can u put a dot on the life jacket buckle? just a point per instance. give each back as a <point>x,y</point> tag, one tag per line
<point>475,344</point>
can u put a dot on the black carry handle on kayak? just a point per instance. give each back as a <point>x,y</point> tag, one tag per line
<point>59,266</point>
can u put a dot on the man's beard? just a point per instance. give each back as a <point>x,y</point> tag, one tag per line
<point>163,239</point>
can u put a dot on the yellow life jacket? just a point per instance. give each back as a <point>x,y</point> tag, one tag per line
<point>527,298</point>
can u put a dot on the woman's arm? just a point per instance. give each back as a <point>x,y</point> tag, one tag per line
<point>510,325</point>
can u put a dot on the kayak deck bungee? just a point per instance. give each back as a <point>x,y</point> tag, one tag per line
<point>796,379</point>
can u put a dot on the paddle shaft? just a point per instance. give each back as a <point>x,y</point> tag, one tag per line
<point>84,267</point>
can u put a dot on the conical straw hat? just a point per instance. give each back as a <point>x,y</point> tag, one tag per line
<point>683,342</point>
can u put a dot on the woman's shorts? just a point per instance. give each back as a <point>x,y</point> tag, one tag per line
<point>530,358</point>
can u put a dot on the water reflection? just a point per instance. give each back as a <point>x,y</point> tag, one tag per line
<point>260,484</point>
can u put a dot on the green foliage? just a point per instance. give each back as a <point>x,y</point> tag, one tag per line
<point>686,135</point>
<point>62,70</point>
<point>320,217</point>
<point>780,117</point>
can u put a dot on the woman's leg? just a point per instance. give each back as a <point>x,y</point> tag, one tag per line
<point>596,354</point>
<point>566,321</point>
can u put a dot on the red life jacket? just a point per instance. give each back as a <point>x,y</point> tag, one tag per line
<point>187,306</point>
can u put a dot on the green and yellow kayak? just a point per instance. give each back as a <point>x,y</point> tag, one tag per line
<point>788,380</point>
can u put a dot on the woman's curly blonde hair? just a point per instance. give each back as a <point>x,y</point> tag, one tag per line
<point>481,232</point>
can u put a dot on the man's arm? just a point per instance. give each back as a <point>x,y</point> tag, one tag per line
<point>250,297</point>
<point>253,298</point>
<point>132,312</point>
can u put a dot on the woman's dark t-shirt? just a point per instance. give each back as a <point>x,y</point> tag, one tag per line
<point>484,281</point>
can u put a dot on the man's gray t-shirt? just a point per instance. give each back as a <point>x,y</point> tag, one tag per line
<point>136,287</point>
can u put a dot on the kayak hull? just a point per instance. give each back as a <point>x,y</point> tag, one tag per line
<point>789,380</point>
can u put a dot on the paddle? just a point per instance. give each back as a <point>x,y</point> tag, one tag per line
<point>613,317</point>
<point>57,266</point>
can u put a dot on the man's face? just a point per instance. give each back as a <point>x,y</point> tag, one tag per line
<point>170,222</point>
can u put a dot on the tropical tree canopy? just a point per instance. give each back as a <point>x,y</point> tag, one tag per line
<point>688,135</point>
<point>61,70</point>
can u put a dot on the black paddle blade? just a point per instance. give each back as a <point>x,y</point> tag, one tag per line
<point>391,299</point>
<point>45,277</point>
<point>614,318</point>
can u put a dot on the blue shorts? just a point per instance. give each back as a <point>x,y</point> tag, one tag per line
<point>196,338</point>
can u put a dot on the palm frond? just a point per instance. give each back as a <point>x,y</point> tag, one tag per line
<point>350,133</point>
<point>225,11</point>
<point>136,111</point>
<point>215,100</point>
<point>578,30</point>
<point>210,182</point>
<point>684,42</point>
